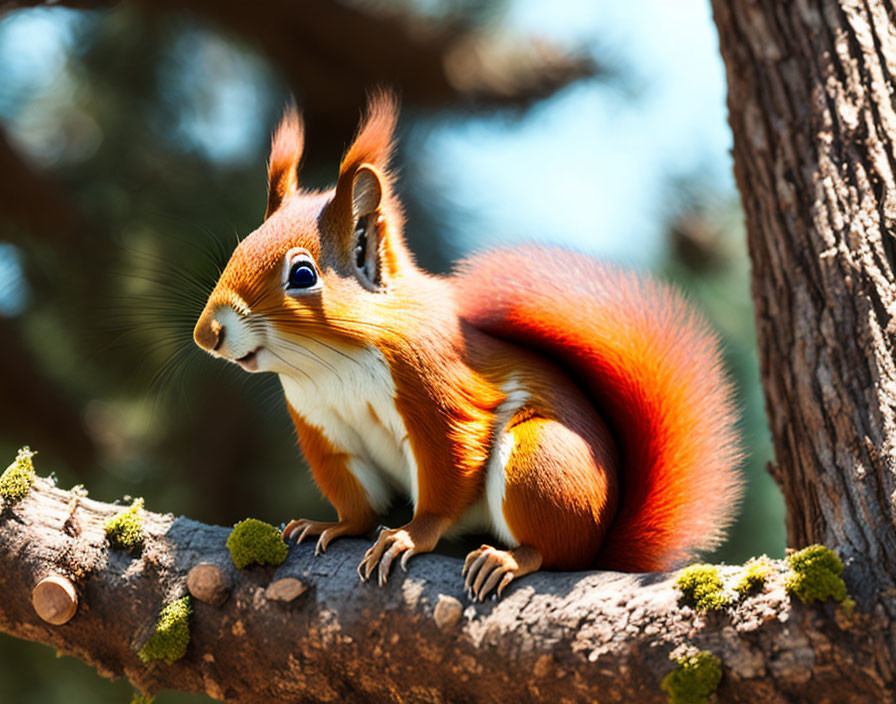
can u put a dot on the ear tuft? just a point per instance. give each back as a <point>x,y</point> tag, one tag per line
<point>365,183</point>
<point>286,153</point>
<point>373,144</point>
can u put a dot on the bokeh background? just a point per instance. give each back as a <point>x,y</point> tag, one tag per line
<point>133,140</point>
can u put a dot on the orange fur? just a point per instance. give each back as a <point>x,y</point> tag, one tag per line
<point>560,491</point>
<point>336,482</point>
<point>374,142</point>
<point>286,153</point>
<point>449,423</point>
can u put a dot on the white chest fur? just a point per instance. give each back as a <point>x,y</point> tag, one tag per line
<point>350,397</point>
<point>352,401</point>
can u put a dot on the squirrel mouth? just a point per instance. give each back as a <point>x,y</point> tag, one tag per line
<point>249,361</point>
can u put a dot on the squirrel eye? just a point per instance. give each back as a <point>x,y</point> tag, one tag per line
<point>302,275</point>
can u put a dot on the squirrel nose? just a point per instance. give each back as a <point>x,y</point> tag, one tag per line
<point>218,332</point>
<point>208,333</point>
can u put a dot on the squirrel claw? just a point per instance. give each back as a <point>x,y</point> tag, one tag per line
<point>489,568</point>
<point>418,536</point>
<point>371,558</point>
<point>299,526</point>
<point>327,530</point>
<point>391,543</point>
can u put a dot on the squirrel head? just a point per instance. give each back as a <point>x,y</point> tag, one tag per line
<point>313,276</point>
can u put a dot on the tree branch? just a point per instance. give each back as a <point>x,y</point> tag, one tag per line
<point>573,637</point>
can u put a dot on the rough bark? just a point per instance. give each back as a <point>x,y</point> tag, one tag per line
<point>814,127</point>
<point>567,637</point>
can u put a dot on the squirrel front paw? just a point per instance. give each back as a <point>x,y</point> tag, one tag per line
<point>390,543</point>
<point>327,530</point>
<point>420,535</point>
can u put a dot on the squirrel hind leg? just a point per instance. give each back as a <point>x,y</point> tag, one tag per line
<point>558,489</point>
<point>553,490</point>
<point>489,568</point>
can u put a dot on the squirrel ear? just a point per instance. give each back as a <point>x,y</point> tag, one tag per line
<point>286,153</point>
<point>367,191</point>
<point>373,143</point>
<point>364,178</point>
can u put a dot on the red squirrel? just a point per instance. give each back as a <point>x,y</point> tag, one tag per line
<point>577,412</point>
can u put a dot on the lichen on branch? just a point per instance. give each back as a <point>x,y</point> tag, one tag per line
<point>16,481</point>
<point>171,638</point>
<point>125,530</point>
<point>694,678</point>
<point>702,587</point>
<point>254,542</point>
<point>815,575</point>
<point>755,575</point>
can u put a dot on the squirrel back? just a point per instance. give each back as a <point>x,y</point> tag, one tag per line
<point>652,368</point>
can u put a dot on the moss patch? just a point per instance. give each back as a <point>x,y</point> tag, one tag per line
<point>140,698</point>
<point>753,578</point>
<point>172,634</point>
<point>694,678</point>
<point>848,605</point>
<point>815,575</point>
<point>16,481</point>
<point>254,542</point>
<point>701,587</point>
<point>125,530</point>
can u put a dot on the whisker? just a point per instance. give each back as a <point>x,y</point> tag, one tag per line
<point>308,354</point>
<point>302,348</point>
<point>293,367</point>
<point>329,347</point>
<point>275,315</point>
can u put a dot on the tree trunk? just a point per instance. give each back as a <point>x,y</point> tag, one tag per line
<point>811,108</point>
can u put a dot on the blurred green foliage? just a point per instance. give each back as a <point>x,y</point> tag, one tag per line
<point>149,190</point>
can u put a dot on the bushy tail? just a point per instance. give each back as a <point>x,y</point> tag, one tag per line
<point>653,369</point>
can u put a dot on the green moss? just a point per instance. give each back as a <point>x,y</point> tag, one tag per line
<point>754,576</point>
<point>125,530</point>
<point>141,698</point>
<point>701,587</point>
<point>815,575</point>
<point>172,634</point>
<point>254,542</point>
<point>16,481</point>
<point>849,606</point>
<point>694,678</point>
